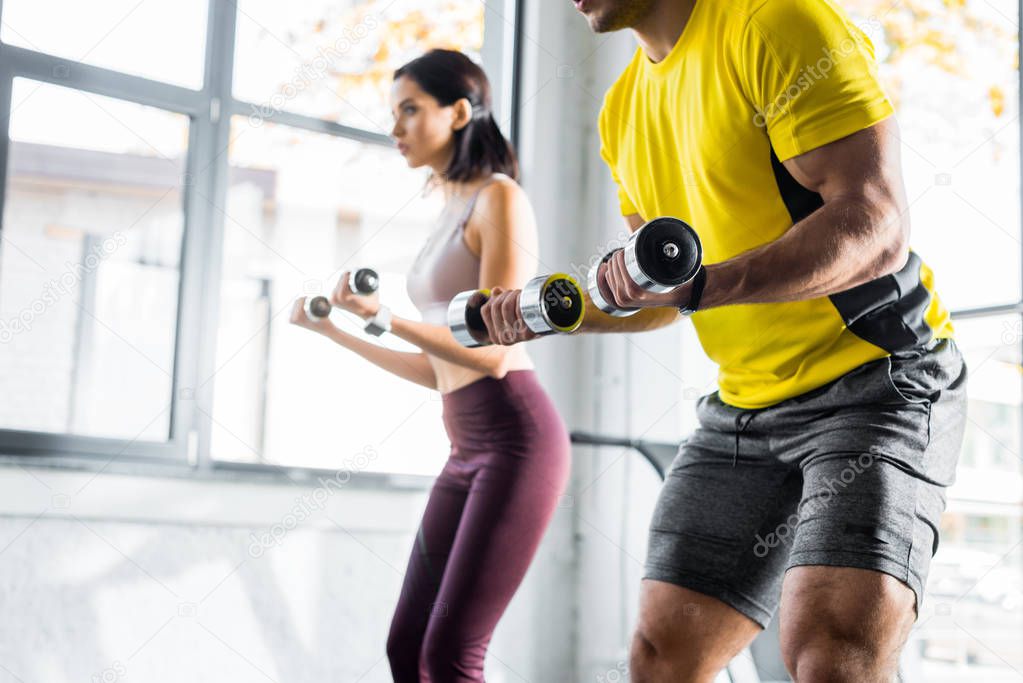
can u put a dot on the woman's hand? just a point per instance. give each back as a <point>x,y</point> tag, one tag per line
<point>503,317</point>
<point>299,317</point>
<point>363,305</point>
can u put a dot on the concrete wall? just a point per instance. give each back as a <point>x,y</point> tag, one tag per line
<point>120,577</point>
<point>136,578</point>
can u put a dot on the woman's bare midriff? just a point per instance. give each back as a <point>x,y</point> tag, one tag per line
<point>451,376</point>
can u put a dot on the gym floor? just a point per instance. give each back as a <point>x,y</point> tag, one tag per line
<point>191,488</point>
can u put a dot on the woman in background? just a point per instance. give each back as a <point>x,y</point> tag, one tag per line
<point>510,452</point>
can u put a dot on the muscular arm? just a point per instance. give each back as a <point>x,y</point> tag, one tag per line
<point>860,233</point>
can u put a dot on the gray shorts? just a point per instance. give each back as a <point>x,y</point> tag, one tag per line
<point>851,474</point>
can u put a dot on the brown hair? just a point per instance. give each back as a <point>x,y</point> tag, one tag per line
<point>480,147</point>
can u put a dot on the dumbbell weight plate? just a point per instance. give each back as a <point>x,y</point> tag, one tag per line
<point>466,322</point>
<point>663,254</point>
<point>317,307</point>
<point>552,303</point>
<point>548,304</point>
<point>364,281</point>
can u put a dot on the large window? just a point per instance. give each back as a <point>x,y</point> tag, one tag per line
<point>972,622</point>
<point>302,207</point>
<point>952,69</point>
<point>174,175</point>
<point>158,39</point>
<point>335,60</point>
<point>92,236</point>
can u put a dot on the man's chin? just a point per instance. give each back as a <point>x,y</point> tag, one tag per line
<point>597,26</point>
<point>608,17</point>
<point>600,22</point>
<point>594,21</point>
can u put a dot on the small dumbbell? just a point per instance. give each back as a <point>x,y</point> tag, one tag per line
<point>549,304</point>
<point>661,255</point>
<point>362,281</point>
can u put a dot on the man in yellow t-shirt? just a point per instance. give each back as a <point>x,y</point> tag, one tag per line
<point>816,478</point>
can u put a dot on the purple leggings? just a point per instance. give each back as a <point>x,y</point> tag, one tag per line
<point>487,511</point>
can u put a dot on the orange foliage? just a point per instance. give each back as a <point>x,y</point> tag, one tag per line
<point>932,32</point>
<point>397,37</point>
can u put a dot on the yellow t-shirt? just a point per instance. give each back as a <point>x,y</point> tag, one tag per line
<point>701,136</point>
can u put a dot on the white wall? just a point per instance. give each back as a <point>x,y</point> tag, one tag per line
<point>161,580</point>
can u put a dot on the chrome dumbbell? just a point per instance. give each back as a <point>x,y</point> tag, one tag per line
<point>549,304</point>
<point>362,281</point>
<point>661,255</point>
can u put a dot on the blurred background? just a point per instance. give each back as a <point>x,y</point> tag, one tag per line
<point>174,174</point>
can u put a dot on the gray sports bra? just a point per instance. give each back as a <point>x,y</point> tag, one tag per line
<point>444,267</point>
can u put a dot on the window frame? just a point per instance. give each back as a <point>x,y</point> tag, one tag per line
<point>209,111</point>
